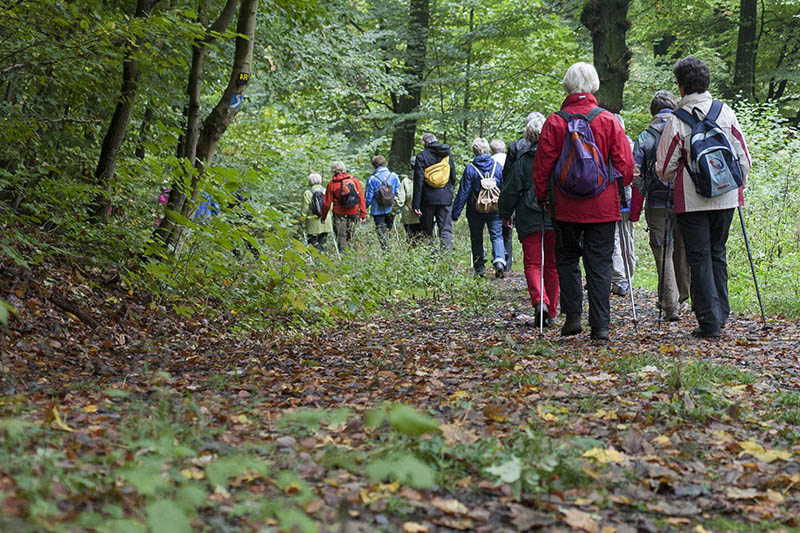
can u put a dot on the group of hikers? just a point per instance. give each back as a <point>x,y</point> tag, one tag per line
<point>572,186</point>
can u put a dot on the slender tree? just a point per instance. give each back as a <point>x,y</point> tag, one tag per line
<point>744,68</point>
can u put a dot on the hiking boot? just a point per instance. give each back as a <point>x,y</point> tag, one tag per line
<point>700,333</point>
<point>538,310</point>
<point>672,317</point>
<point>618,290</point>
<point>572,326</point>
<point>499,270</point>
<point>599,334</point>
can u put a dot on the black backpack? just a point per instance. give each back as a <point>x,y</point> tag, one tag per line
<point>348,197</point>
<point>654,188</point>
<point>317,199</point>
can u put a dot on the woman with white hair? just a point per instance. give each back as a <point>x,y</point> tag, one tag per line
<point>533,225</point>
<point>345,197</point>
<point>585,200</point>
<point>310,210</point>
<point>482,167</point>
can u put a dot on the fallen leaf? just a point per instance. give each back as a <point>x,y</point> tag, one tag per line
<point>413,527</point>
<point>451,506</point>
<point>735,493</point>
<point>662,441</point>
<point>577,519</point>
<point>604,456</point>
<point>762,454</point>
<point>58,423</point>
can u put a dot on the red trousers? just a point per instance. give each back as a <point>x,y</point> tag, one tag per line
<point>532,261</point>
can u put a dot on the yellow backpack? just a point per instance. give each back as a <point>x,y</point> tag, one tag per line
<point>438,174</point>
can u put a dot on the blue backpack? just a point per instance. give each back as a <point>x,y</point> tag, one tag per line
<point>713,164</point>
<point>580,171</point>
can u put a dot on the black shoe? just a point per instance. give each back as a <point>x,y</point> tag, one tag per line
<point>499,270</point>
<point>619,291</point>
<point>672,317</point>
<point>599,334</point>
<point>538,311</point>
<point>573,325</point>
<point>700,333</point>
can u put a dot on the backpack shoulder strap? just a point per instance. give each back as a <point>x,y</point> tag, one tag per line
<point>564,115</point>
<point>716,109</point>
<point>593,113</point>
<point>685,117</point>
<point>654,132</point>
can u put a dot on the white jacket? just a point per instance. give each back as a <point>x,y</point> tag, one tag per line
<point>673,151</point>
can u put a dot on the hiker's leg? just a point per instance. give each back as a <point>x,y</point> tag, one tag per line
<point>380,228</point>
<point>680,266</point>
<point>598,247</point>
<point>696,231</point>
<point>321,238</point>
<point>618,278</point>
<point>720,226</point>
<point>630,252</point>
<point>668,299</point>
<point>568,251</point>
<point>426,221</point>
<point>551,286</point>
<point>352,220</point>
<point>532,263</point>
<point>340,227</point>
<point>445,222</point>
<point>508,239</point>
<point>475,224</point>
<point>495,227</point>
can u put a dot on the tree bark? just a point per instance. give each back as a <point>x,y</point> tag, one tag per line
<point>468,73</point>
<point>408,103</point>
<point>607,21</point>
<point>744,68</point>
<point>107,163</point>
<point>144,130</point>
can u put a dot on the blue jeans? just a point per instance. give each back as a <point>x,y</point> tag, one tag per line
<point>476,221</point>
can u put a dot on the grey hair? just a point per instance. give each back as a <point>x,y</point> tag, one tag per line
<point>662,100</point>
<point>581,78</point>
<point>480,146</point>
<point>428,138</point>
<point>531,116</point>
<point>338,167</point>
<point>534,127</point>
<point>314,179</point>
<point>497,146</point>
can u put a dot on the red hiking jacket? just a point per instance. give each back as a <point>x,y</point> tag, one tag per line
<point>332,195</point>
<point>610,139</point>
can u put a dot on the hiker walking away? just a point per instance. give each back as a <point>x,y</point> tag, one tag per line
<point>310,211</point>
<point>623,254</point>
<point>345,193</point>
<point>709,171</point>
<point>479,174</point>
<point>382,188</point>
<point>656,197</point>
<point>533,225</point>
<point>498,148</point>
<point>403,200</point>
<point>585,202</point>
<point>515,149</point>
<point>434,182</point>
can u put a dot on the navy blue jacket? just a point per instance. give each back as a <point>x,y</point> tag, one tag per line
<point>423,194</point>
<point>471,183</point>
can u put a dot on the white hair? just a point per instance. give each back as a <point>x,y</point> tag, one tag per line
<point>480,146</point>
<point>428,138</point>
<point>314,179</point>
<point>338,167</point>
<point>534,127</point>
<point>498,147</point>
<point>581,78</point>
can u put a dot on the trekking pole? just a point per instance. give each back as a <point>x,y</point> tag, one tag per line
<point>396,233</point>
<point>336,246</point>
<point>753,269</point>
<point>305,240</point>
<point>625,249</point>
<point>541,286</point>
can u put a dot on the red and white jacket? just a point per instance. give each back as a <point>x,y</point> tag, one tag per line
<point>673,152</point>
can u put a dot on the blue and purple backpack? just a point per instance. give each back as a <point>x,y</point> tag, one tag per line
<point>580,171</point>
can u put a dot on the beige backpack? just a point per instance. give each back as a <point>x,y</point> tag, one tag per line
<point>489,193</point>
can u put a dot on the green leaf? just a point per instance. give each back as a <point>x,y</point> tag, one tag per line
<point>508,472</point>
<point>406,469</point>
<point>190,497</point>
<point>408,420</point>
<point>146,478</point>
<point>227,467</point>
<point>166,517</point>
<point>122,525</point>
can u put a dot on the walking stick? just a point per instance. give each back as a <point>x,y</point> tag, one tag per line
<point>664,247</point>
<point>396,233</point>
<point>336,245</point>
<point>541,286</point>
<point>753,270</point>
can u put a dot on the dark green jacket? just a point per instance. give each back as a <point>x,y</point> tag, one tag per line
<point>517,196</point>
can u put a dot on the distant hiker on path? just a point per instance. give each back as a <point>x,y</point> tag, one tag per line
<point>662,224</point>
<point>517,200</point>
<point>498,148</point>
<point>586,204</point>
<point>708,188</point>
<point>434,182</point>
<point>345,193</point>
<point>310,211</point>
<point>623,254</point>
<point>382,188</point>
<point>405,196</point>
<point>476,173</point>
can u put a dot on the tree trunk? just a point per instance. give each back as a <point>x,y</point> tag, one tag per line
<point>607,21</point>
<point>167,231</point>
<point>468,73</point>
<point>147,121</point>
<point>744,69</point>
<point>107,163</point>
<point>408,103</point>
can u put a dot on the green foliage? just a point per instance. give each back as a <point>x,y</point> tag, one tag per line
<point>403,418</point>
<point>406,469</point>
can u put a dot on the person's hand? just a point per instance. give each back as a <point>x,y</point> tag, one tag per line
<point>363,219</point>
<point>544,204</point>
<point>509,223</point>
<point>418,212</point>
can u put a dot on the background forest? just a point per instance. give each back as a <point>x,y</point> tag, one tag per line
<point>104,103</point>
